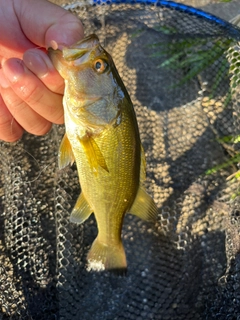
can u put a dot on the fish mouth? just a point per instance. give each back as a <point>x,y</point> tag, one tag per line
<point>56,57</point>
<point>81,48</point>
<point>87,43</point>
<point>77,50</point>
<point>77,55</point>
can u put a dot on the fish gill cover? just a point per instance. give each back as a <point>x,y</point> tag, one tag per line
<point>181,68</point>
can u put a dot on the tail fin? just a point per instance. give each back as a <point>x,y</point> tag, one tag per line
<point>102,257</point>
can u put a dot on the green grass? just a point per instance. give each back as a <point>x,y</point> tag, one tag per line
<point>192,56</point>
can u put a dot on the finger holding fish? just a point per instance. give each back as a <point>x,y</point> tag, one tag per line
<point>28,27</point>
<point>20,113</point>
<point>38,62</point>
<point>10,130</point>
<point>29,101</point>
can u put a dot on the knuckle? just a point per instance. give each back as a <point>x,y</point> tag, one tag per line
<point>10,130</point>
<point>40,128</point>
<point>59,119</point>
<point>31,93</point>
<point>12,101</point>
<point>7,132</point>
<point>11,137</point>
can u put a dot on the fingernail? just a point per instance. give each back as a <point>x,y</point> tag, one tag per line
<point>13,69</point>
<point>4,83</point>
<point>36,62</point>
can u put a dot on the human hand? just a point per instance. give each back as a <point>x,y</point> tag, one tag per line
<point>30,87</point>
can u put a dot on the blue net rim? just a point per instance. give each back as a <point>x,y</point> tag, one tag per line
<point>176,6</point>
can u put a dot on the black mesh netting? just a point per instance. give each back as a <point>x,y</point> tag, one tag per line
<point>181,69</point>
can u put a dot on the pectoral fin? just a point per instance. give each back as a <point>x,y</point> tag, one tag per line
<point>81,211</point>
<point>65,154</point>
<point>144,206</point>
<point>94,154</point>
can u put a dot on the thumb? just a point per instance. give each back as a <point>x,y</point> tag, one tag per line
<point>65,32</point>
<point>43,21</point>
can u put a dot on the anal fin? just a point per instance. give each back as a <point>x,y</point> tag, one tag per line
<point>81,211</point>
<point>144,207</point>
<point>65,154</point>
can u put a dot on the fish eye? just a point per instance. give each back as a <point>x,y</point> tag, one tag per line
<point>100,65</point>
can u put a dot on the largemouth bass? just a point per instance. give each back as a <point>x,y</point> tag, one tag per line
<point>102,136</point>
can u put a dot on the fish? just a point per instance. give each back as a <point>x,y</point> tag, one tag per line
<point>102,137</point>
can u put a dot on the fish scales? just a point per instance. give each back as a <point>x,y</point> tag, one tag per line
<point>122,163</point>
<point>102,136</point>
